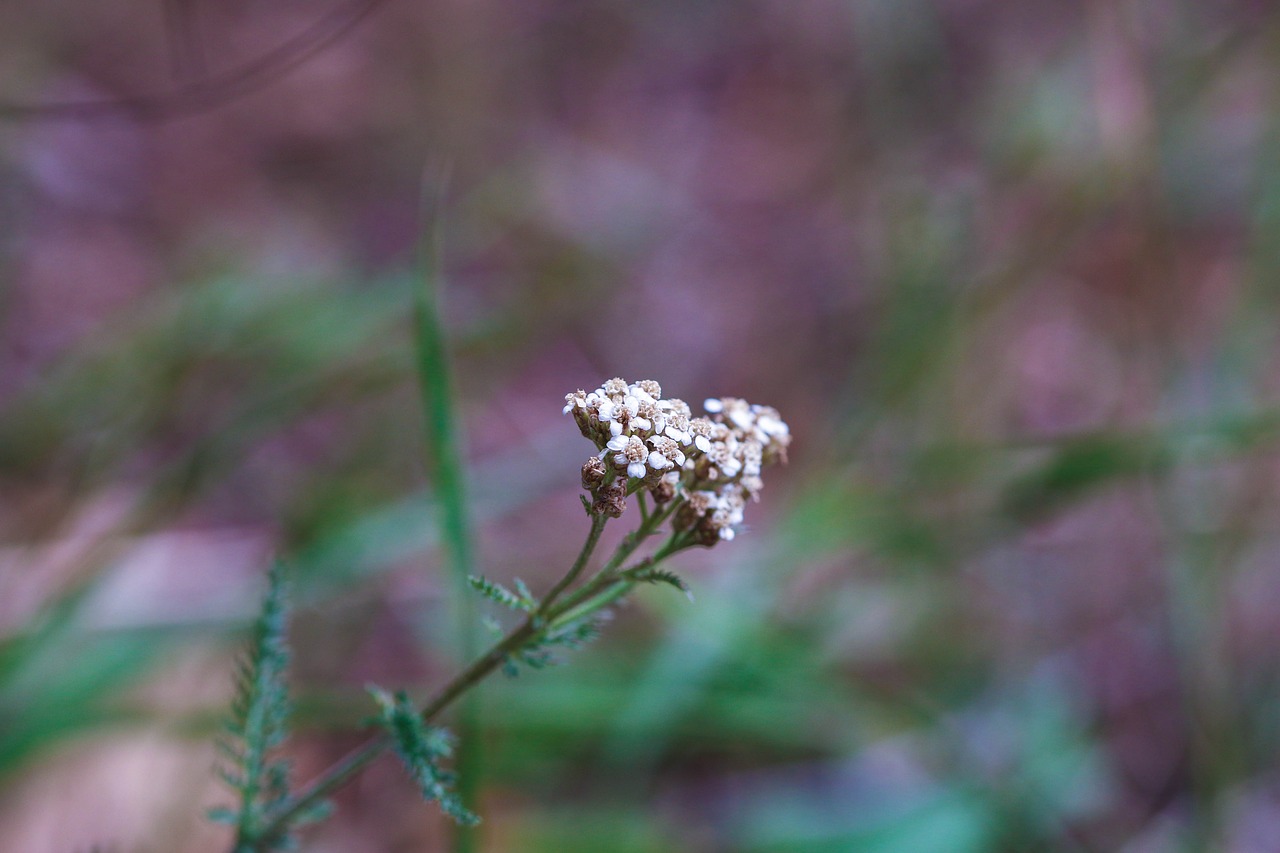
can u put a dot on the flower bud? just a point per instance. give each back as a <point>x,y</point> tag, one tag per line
<point>611,500</point>
<point>664,491</point>
<point>593,472</point>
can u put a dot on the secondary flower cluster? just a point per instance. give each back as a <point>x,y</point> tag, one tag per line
<point>711,464</point>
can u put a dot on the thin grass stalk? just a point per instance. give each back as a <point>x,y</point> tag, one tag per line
<point>444,458</point>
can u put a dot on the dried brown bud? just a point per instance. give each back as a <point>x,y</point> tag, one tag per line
<point>685,518</point>
<point>664,491</point>
<point>611,501</point>
<point>593,473</point>
<point>706,534</point>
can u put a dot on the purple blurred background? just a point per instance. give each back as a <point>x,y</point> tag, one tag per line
<point>1008,269</point>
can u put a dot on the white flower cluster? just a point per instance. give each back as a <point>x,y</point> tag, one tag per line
<point>711,463</point>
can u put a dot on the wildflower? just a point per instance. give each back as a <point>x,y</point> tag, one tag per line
<point>668,450</point>
<point>630,452</point>
<point>665,490</point>
<point>649,388</point>
<point>611,501</point>
<point>701,429</point>
<point>593,473</point>
<point>710,466</point>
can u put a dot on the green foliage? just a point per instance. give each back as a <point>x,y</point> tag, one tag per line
<point>656,575</point>
<point>259,726</point>
<point>57,678</point>
<point>1077,468</point>
<point>538,652</point>
<point>521,600</point>
<point>446,467</point>
<point>422,748</point>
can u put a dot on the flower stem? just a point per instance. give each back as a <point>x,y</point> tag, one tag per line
<point>347,767</point>
<point>582,602</point>
<point>344,769</point>
<point>593,538</point>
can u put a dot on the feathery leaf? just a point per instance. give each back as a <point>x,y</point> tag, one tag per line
<point>663,576</point>
<point>422,748</point>
<point>258,725</point>
<point>499,594</point>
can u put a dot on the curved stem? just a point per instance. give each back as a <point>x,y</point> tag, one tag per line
<point>580,603</point>
<point>355,761</point>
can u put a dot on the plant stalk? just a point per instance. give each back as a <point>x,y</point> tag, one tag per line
<point>345,768</point>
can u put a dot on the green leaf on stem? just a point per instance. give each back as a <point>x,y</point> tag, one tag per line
<point>663,576</point>
<point>422,748</point>
<point>259,726</point>
<point>499,594</point>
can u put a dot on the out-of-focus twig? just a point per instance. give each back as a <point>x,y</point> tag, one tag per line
<point>211,92</point>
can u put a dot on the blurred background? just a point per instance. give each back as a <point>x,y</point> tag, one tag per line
<point>1011,270</point>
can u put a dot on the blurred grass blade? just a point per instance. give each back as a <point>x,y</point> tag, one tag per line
<point>56,679</point>
<point>445,467</point>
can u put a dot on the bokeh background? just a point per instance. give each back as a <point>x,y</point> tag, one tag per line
<point>1009,269</point>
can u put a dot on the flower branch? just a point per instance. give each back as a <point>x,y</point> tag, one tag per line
<point>697,472</point>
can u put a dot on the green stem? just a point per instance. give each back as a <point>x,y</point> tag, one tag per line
<point>580,603</point>
<point>633,540</point>
<point>355,761</point>
<point>593,538</point>
<point>604,590</point>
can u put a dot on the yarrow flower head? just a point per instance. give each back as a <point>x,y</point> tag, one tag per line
<point>708,466</point>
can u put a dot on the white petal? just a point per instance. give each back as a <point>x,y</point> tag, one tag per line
<point>772,426</point>
<point>679,458</point>
<point>726,533</point>
<point>711,404</point>
<point>566,409</point>
<point>702,443</point>
<point>658,462</point>
<point>640,423</point>
<point>615,427</point>
<point>636,469</point>
<point>606,410</point>
<point>618,442</point>
<point>620,458</point>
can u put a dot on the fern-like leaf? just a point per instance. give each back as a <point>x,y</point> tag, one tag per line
<point>422,748</point>
<point>663,576</point>
<point>496,592</point>
<point>259,725</point>
<point>537,653</point>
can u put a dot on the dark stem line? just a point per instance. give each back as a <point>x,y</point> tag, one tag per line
<point>212,92</point>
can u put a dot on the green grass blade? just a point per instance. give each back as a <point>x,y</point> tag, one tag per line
<point>445,466</point>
